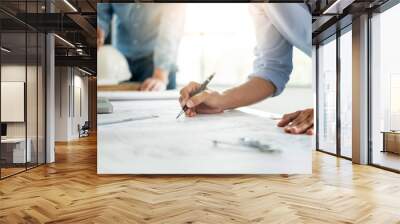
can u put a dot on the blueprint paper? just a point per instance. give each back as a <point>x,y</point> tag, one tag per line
<point>164,145</point>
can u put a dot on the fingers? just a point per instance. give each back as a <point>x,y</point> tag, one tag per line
<point>147,85</point>
<point>301,124</point>
<point>185,92</point>
<point>208,110</point>
<point>157,86</point>
<point>202,109</point>
<point>190,112</point>
<point>299,119</point>
<point>197,99</point>
<point>152,85</point>
<point>287,118</point>
<point>310,131</point>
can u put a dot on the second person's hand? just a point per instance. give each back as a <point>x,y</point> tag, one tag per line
<point>206,102</point>
<point>157,82</point>
<point>299,122</point>
<point>153,84</point>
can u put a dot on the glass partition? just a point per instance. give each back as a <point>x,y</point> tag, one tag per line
<point>22,88</point>
<point>327,96</point>
<point>385,89</point>
<point>14,153</point>
<point>346,93</point>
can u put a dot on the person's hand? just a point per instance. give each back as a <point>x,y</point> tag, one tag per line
<point>100,38</point>
<point>206,102</point>
<point>153,84</point>
<point>158,81</point>
<point>299,122</point>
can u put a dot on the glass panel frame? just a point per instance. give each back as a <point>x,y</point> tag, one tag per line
<point>337,134</point>
<point>24,60</point>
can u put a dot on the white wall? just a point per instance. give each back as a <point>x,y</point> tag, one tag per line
<point>12,73</point>
<point>71,94</point>
<point>61,103</point>
<point>81,103</point>
<point>34,125</point>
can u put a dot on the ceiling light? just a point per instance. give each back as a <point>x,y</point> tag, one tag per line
<point>70,5</point>
<point>65,41</point>
<point>337,7</point>
<point>5,50</point>
<point>84,71</point>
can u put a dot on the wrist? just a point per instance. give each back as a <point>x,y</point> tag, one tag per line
<point>161,75</point>
<point>229,99</point>
<point>220,101</point>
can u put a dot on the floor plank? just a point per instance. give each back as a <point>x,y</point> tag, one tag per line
<point>70,191</point>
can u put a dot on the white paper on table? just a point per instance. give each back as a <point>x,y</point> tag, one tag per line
<point>139,95</point>
<point>164,145</point>
<point>122,117</point>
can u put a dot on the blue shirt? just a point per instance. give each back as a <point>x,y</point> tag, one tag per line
<point>279,27</point>
<point>142,29</point>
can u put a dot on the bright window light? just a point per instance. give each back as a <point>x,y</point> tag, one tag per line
<point>221,38</point>
<point>216,42</point>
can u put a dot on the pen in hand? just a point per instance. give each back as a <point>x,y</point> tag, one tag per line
<point>202,87</point>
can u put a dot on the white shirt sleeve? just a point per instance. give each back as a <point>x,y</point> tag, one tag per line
<point>279,27</point>
<point>273,52</point>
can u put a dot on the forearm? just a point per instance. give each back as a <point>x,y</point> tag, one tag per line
<point>250,92</point>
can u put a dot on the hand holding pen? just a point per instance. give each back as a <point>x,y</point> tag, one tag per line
<point>196,98</point>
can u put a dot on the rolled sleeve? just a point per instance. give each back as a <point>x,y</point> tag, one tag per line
<point>273,52</point>
<point>275,67</point>
<point>169,36</point>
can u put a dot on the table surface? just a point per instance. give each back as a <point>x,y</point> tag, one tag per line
<point>390,132</point>
<point>164,145</point>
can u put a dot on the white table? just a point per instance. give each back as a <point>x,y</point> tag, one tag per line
<point>164,145</point>
<point>18,150</point>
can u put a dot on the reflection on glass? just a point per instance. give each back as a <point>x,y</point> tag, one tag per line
<point>386,89</point>
<point>346,94</point>
<point>394,101</point>
<point>327,97</point>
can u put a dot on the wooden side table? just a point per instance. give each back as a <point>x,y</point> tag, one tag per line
<point>391,141</point>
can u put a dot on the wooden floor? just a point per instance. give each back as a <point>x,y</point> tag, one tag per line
<point>5,172</point>
<point>70,191</point>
